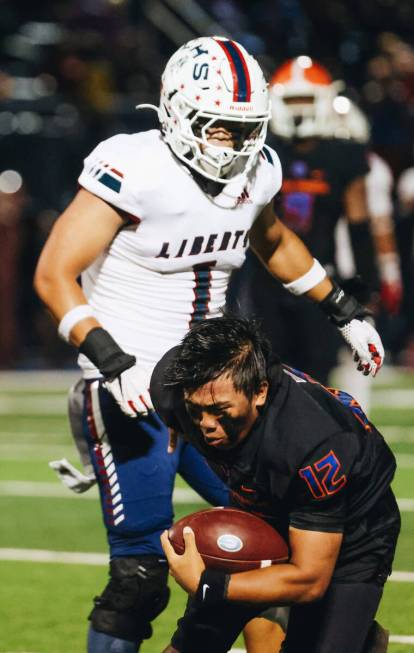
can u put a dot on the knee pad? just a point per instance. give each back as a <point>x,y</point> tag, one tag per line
<point>136,593</point>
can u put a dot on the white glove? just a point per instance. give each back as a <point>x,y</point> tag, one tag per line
<point>366,345</point>
<point>130,391</point>
<point>72,477</point>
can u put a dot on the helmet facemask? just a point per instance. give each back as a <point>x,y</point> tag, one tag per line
<point>189,130</point>
<point>305,115</point>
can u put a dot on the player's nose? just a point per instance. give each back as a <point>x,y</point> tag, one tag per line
<point>208,423</point>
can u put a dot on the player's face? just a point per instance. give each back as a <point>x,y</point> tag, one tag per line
<point>223,415</point>
<point>230,134</point>
<point>220,136</point>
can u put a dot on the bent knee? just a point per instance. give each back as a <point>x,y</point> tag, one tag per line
<point>136,594</point>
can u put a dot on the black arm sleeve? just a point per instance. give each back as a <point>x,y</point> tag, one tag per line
<point>364,253</point>
<point>355,162</point>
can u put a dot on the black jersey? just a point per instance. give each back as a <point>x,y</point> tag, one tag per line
<point>311,197</point>
<point>312,461</point>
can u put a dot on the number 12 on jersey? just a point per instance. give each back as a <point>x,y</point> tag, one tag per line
<point>322,477</point>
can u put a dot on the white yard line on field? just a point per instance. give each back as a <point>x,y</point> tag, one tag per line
<point>97,559</point>
<point>402,576</point>
<point>44,446</point>
<point>37,436</point>
<point>397,434</point>
<point>52,379</point>
<point>393,398</point>
<point>406,505</point>
<point>49,380</point>
<point>405,460</point>
<point>32,452</point>
<point>43,489</point>
<point>62,557</point>
<point>59,491</point>
<point>42,405</point>
<point>55,404</point>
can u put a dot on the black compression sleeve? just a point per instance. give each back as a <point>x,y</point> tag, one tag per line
<point>105,353</point>
<point>364,253</point>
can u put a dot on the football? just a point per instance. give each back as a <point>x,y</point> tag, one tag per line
<point>230,539</point>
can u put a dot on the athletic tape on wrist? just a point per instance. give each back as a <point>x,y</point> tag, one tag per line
<point>71,318</point>
<point>311,278</point>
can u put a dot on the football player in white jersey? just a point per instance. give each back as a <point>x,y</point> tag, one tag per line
<point>160,221</point>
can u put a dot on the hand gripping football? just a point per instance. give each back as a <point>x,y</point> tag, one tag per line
<point>231,540</point>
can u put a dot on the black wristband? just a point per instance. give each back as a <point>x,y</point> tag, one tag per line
<point>102,350</point>
<point>342,308</point>
<point>212,588</point>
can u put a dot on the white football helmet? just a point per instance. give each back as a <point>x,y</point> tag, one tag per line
<point>349,121</point>
<point>302,94</point>
<point>211,82</point>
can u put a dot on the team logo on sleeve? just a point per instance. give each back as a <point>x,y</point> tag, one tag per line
<point>323,477</point>
<point>107,175</point>
<point>353,405</point>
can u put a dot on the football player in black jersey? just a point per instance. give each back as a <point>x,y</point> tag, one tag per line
<point>304,457</point>
<point>323,179</point>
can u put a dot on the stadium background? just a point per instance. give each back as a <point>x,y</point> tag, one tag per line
<point>71,73</point>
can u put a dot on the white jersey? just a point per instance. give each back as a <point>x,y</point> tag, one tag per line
<point>379,184</point>
<point>170,265</point>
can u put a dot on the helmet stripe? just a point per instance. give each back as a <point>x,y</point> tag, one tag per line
<point>239,71</point>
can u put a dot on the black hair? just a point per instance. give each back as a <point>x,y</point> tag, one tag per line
<point>221,345</point>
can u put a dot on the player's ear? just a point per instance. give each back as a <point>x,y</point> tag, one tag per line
<point>261,395</point>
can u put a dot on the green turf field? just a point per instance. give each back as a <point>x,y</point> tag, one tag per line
<point>44,605</point>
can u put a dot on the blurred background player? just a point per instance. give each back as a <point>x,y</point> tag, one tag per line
<point>155,251</point>
<point>405,233</point>
<point>324,178</point>
<point>13,200</point>
<point>351,123</point>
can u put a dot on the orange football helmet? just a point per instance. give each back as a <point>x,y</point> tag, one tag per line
<point>302,93</point>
